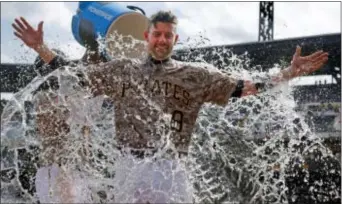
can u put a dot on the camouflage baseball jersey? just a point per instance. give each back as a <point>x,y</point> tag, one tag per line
<point>156,101</point>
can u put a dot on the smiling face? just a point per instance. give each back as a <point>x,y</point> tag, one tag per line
<point>161,35</point>
<point>161,38</point>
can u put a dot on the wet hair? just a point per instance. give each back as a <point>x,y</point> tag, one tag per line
<point>164,17</point>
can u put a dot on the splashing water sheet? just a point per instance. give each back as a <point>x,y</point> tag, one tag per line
<point>225,163</point>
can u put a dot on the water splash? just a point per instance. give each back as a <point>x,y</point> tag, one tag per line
<point>230,161</point>
<point>225,163</point>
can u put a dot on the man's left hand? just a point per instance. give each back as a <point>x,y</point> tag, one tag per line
<point>307,64</point>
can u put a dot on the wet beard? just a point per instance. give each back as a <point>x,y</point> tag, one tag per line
<point>156,56</point>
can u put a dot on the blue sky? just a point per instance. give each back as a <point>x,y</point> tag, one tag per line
<point>221,22</point>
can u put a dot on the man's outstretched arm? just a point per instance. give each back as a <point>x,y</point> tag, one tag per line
<point>299,67</point>
<point>33,38</point>
<point>218,87</point>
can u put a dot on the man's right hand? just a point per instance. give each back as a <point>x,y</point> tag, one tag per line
<point>31,37</point>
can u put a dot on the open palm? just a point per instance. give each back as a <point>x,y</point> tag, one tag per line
<point>31,37</point>
<point>307,64</point>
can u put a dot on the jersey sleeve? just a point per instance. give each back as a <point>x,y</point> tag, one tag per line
<point>218,87</point>
<point>55,63</point>
<point>58,61</point>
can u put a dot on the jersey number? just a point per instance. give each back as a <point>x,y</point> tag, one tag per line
<point>177,121</point>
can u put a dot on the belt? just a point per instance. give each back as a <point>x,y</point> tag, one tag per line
<point>149,153</point>
<point>139,153</point>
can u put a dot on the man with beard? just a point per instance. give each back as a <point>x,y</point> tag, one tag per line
<point>157,102</point>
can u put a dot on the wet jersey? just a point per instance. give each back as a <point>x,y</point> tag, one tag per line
<point>156,102</point>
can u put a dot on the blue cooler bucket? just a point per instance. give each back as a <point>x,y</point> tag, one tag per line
<point>98,20</point>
